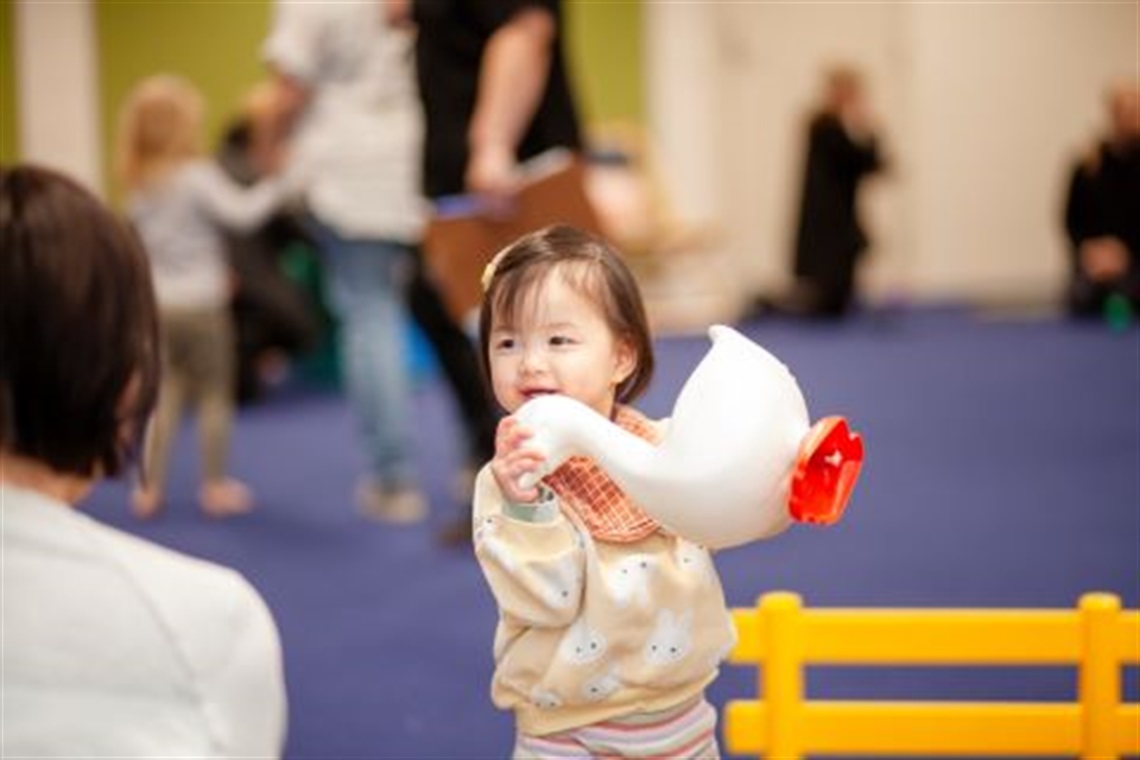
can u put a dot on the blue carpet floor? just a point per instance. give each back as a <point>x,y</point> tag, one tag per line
<point>1003,470</point>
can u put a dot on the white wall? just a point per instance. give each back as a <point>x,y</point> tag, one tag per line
<point>983,107</point>
<point>1009,95</point>
<point>57,87</point>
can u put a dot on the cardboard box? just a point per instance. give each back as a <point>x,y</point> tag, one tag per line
<point>460,240</point>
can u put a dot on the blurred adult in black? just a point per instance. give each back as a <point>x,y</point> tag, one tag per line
<point>1102,212</point>
<point>495,92</point>
<point>276,317</point>
<point>842,150</point>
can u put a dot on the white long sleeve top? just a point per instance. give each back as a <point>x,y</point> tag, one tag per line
<point>117,647</point>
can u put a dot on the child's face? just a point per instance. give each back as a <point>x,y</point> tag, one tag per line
<point>560,345</point>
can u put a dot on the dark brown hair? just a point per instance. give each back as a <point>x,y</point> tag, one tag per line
<point>78,327</point>
<point>592,267</point>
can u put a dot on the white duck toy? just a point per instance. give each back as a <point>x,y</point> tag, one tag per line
<point>739,462</point>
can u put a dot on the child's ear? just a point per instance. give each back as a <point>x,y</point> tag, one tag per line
<point>626,361</point>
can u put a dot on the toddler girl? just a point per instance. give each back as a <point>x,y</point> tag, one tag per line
<point>180,203</point>
<point>610,627</point>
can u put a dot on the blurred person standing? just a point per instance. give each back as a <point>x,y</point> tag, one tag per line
<point>842,151</point>
<point>112,646</point>
<point>276,319</point>
<point>1102,213</point>
<point>347,107</point>
<point>181,203</point>
<point>495,92</point>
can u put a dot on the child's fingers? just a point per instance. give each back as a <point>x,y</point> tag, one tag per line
<point>503,435</point>
<point>513,461</point>
<point>510,469</point>
<point>520,463</point>
<point>526,461</point>
<point>512,440</point>
<point>513,492</point>
<point>529,496</point>
<point>510,434</point>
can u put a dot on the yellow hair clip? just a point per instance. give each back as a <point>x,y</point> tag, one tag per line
<point>489,270</point>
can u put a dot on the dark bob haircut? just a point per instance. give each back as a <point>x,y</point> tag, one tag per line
<point>78,327</point>
<point>589,265</point>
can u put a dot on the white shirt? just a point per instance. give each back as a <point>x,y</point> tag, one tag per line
<point>117,647</point>
<point>357,149</point>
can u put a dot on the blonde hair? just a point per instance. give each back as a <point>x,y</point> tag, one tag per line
<point>160,127</point>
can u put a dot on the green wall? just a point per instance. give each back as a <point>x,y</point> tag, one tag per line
<point>216,45</point>
<point>9,140</point>
<point>605,51</point>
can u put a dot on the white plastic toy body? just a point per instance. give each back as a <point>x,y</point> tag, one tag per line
<point>721,476</point>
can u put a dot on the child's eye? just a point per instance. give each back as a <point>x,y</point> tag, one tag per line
<point>560,340</point>
<point>504,344</point>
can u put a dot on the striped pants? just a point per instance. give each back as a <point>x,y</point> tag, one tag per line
<point>687,731</point>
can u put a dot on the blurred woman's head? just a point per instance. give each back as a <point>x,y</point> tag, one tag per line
<point>843,84</point>
<point>1123,102</point>
<point>78,327</point>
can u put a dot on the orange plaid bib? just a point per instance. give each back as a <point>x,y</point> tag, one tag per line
<point>598,502</point>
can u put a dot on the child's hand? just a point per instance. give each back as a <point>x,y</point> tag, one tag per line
<point>513,460</point>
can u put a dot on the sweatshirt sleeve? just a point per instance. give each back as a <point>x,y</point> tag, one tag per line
<point>535,568</point>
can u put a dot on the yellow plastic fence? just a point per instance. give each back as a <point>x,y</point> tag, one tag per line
<point>781,638</point>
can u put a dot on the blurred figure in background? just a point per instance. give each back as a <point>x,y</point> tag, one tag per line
<point>842,150</point>
<point>180,202</point>
<point>346,104</point>
<point>495,91</point>
<point>275,318</point>
<point>1102,213</point>
<point>113,646</point>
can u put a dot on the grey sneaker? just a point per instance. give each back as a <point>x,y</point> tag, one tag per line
<point>401,506</point>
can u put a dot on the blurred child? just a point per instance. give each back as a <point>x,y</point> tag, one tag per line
<point>610,627</point>
<point>181,203</point>
<point>276,317</point>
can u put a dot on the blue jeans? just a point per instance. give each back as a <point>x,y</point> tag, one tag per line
<point>365,282</point>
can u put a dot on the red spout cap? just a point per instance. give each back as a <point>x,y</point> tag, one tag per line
<point>827,467</point>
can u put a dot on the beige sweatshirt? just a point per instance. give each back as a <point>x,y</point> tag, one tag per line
<point>592,630</point>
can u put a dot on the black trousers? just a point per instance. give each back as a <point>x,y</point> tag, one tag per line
<point>459,360</point>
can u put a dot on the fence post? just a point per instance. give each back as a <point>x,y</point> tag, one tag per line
<point>1099,680</point>
<point>782,680</point>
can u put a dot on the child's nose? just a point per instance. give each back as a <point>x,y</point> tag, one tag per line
<point>532,361</point>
